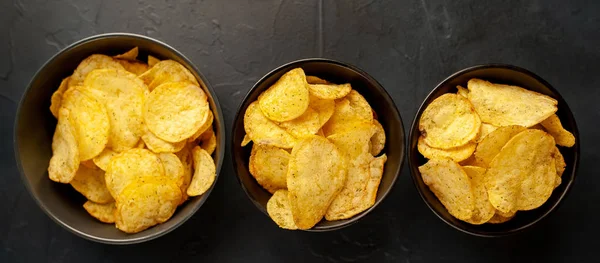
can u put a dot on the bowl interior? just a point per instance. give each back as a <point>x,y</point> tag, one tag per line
<point>503,74</point>
<point>336,72</point>
<point>35,126</point>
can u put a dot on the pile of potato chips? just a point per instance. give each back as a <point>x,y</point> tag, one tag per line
<point>492,150</point>
<point>314,148</point>
<point>135,139</point>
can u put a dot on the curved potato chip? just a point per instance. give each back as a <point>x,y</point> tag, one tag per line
<point>449,121</point>
<point>91,184</point>
<point>378,139</point>
<point>287,99</point>
<point>103,159</point>
<point>315,175</point>
<point>167,71</point>
<point>269,165</point>
<point>491,145</point>
<point>353,108</point>
<point>185,156</point>
<point>559,160</point>
<point>503,105</point>
<point>209,141</point>
<point>449,182</point>
<point>129,166</point>
<point>204,172</point>
<point>135,67</point>
<point>264,131</point>
<point>91,63</point>
<point>174,169</point>
<point>103,212</point>
<point>457,154</point>
<point>129,55</point>
<point>152,61</point>
<point>90,120</point>
<point>246,140</point>
<point>56,99</point>
<point>278,208</point>
<point>159,145</point>
<point>483,209</point>
<point>174,111</point>
<point>499,218</point>
<point>324,108</point>
<point>123,95</point>
<point>329,91</point>
<point>316,80</point>
<point>555,128</point>
<point>207,123</point>
<point>65,152</point>
<point>484,131</point>
<point>462,91</point>
<point>307,124</point>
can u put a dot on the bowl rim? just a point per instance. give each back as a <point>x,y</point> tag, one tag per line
<point>240,112</point>
<point>143,238</point>
<point>415,174</point>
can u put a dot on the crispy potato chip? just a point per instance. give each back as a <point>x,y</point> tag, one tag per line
<point>499,218</point>
<point>555,128</point>
<point>129,55</point>
<point>145,203</point>
<point>354,143</point>
<point>103,212</point>
<point>185,156</point>
<point>315,80</point>
<point>159,145</point>
<point>316,174</point>
<point>123,95</point>
<point>457,154</point>
<point>65,152</point>
<point>449,182</point>
<point>559,161</point>
<point>305,125</point>
<point>152,61</point>
<point>204,172</point>
<point>207,123</point>
<point>209,141</point>
<point>523,173</point>
<point>90,120</point>
<point>264,131</point>
<point>56,100</point>
<point>133,66</point>
<point>278,208</point>
<point>91,63</point>
<point>129,166</point>
<point>91,184</point>
<point>491,145</point>
<point>323,107</point>
<point>329,91</point>
<point>483,209</point>
<point>484,131</point>
<point>287,99</point>
<point>269,165</point>
<point>103,159</point>
<point>174,169</point>
<point>353,108</point>
<point>174,122</point>
<point>449,121</point>
<point>167,71</point>
<point>462,91</point>
<point>503,105</point>
<point>246,140</point>
<point>378,139</point>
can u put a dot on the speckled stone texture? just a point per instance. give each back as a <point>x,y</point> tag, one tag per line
<point>409,46</point>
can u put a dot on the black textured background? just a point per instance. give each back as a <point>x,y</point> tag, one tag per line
<point>409,46</point>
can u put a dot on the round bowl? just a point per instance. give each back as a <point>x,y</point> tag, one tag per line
<point>336,72</point>
<point>34,127</point>
<point>505,74</point>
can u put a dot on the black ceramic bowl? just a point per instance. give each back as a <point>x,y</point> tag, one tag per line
<point>336,72</point>
<point>505,74</point>
<point>34,127</point>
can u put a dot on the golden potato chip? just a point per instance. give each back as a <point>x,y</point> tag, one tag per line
<point>207,123</point>
<point>278,208</point>
<point>307,124</point>
<point>123,95</point>
<point>484,131</point>
<point>103,212</point>
<point>167,71</point>
<point>145,203</point>
<point>174,169</point>
<point>129,166</point>
<point>90,64</point>
<point>204,172</point>
<point>449,121</point>
<point>523,173</point>
<point>378,139</point>
<point>559,161</point>
<point>65,152</point>
<point>315,80</point>
<point>499,218</point>
<point>449,182</point>
<point>103,159</point>
<point>269,165</point>
<point>354,143</point>
<point>185,156</point>
<point>462,91</point>
<point>209,141</point>
<point>264,131</point>
<point>56,100</point>
<point>246,140</point>
<point>287,99</point>
<point>555,128</point>
<point>457,154</point>
<point>152,61</point>
<point>503,105</point>
<point>323,107</point>
<point>134,66</point>
<point>483,208</point>
<point>159,145</point>
<point>353,108</point>
<point>316,174</point>
<point>90,120</point>
<point>91,184</point>
<point>329,91</point>
<point>174,122</point>
<point>129,55</point>
<point>491,145</point>
<point>375,174</point>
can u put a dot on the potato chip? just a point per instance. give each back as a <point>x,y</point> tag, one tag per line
<point>323,107</point>
<point>503,105</point>
<point>129,55</point>
<point>129,166</point>
<point>555,128</point>
<point>90,120</point>
<point>206,123</point>
<point>462,91</point>
<point>103,212</point>
<point>305,125</point>
<point>185,156</point>
<point>145,203</point>
<point>315,80</point>
<point>449,121</point>
<point>123,95</point>
<point>174,122</point>
<point>491,145</point>
<point>174,169</point>
<point>152,61</point>
<point>264,131</point>
<point>246,140</point>
<point>278,208</point>
<point>449,182</point>
<point>56,100</point>
<point>103,159</point>
<point>498,218</point>
<point>522,175</point>
<point>378,139</point>
<point>135,67</point>
<point>353,108</point>
<point>559,161</point>
<point>209,141</point>
<point>316,174</point>
<point>269,165</point>
<point>167,71</point>
<point>329,91</point>
<point>91,63</point>
<point>484,131</point>
<point>204,172</point>
<point>483,208</point>
<point>91,184</point>
<point>287,99</point>
<point>457,154</point>
<point>159,145</point>
<point>65,152</point>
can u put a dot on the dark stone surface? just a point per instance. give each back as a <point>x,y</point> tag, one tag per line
<point>409,46</point>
